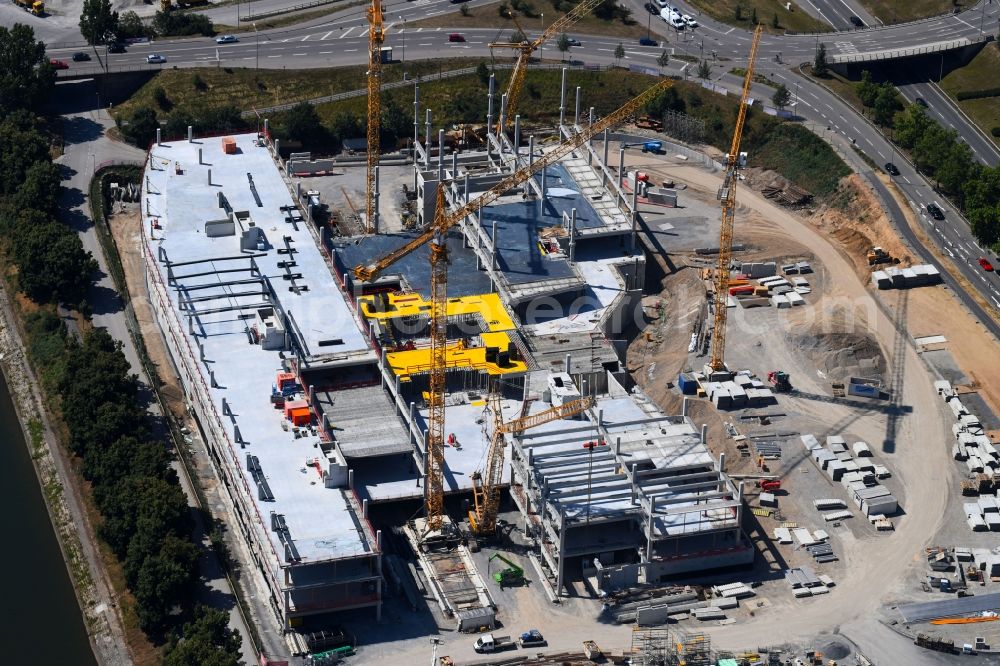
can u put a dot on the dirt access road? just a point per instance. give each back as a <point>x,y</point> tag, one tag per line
<point>920,460</point>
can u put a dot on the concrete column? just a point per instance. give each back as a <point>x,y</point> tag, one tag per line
<point>190,325</point>
<point>158,136</point>
<point>454,165</point>
<point>531,161</point>
<point>605,170</point>
<point>277,149</point>
<point>298,189</point>
<point>397,384</point>
<point>517,135</point>
<point>350,479</point>
<point>704,433</point>
<point>200,160</point>
<point>621,171</point>
<point>427,141</point>
<point>364,508</point>
<point>266,126</point>
<point>503,115</point>
<point>568,363</point>
<point>544,189</point>
<point>572,235</point>
<point>562,99</point>
<point>576,115</point>
<point>496,250</point>
<point>632,481</point>
<point>562,546</point>
<point>416,121</point>
<point>190,133</point>
<point>376,217</point>
<point>465,188</point>
<point>211,377</point>
<point>618,446</point>
<point>722,463</point>
<point>413,409</point>
<point>600,417</point>
<point>635,209</point>
<point>237,435</point>
<point>649,529</point>
<point>312,395</point>
<point>440,156</point>
<point>684,407</point>
<point>489,109</point>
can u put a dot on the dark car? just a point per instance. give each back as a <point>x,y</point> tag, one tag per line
<point>891,169</point>
<point>80,56</point>
<point>921,101</point>
<point>455,37</point>
<point>935,212</point>
<point>652,9</point>
<point>59,64</point>
<point>646,41</point>
<point>856,22</point>
<point>117,47</point>
<point>573,41</point>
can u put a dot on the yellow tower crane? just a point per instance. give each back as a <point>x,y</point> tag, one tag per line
<point>727,195</point>
<point>527,47</point>
<point>486,484</point>
<point>436,234</point>
<point>376,36</point>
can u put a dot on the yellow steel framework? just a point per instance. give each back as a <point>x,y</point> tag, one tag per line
<point>376,36</point>
<point>728,198</point>
<point>486,484</point>
<point>527,47</point>
<point>436,234</point>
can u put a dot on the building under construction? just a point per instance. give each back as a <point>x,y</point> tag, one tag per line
<point>313,388</point>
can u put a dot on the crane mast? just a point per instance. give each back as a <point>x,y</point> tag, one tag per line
<point>527,47</point>
<point>728,199</point>
<point>376,36</point>
<point>486,484</point>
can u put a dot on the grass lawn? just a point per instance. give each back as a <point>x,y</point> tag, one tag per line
<point>248,89</point>
<point>795,20</point>
<point>977,75</point>
<point>897,11</point>
<point>282,19</point>
<point>488,16</point>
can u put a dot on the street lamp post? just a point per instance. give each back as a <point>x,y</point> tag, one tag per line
<point>402,46</point>
<point>542,45</point>
<point>256,43</point>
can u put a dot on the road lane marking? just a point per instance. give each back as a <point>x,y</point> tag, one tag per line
<point>306,37</point>
<point>346,33</point>
<point>349,50</point>
<point>299,54</point>
<point>327,35</point>
<point>325,52</point>
<point>277,56</point>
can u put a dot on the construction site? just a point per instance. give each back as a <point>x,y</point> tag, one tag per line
<point>567,406</point>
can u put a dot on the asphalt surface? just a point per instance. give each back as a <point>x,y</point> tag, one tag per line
<point>941,108</point>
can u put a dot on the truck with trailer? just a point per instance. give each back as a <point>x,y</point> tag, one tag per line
<point>36,7</point>
<point>489,643</point>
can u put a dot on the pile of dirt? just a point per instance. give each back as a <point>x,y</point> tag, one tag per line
<point>834,650</point>
<point>859,224</point>
<point>842,355</point>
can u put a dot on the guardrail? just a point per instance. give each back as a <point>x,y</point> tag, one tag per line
<point>875,28</point>
<point>892,54</point>
<point>285,10</point>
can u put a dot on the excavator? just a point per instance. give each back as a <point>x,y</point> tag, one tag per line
<point>509,577</point>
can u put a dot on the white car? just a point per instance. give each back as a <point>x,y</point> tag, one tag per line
<point>156,58</point>
<point>226,39</point>
<point>673,19</point>
<point>689,21</point>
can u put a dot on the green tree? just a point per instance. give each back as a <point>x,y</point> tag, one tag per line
<point>131,25</point>
<point>206,640</point>
<point>98,24</point>
<point>738,12</point>
<point>704,70</point>
<point>956,167</point>
<point>517,37</point>
<point>127,456</point>
<point>483,72</point>
<point>563,44</point>
<point>396,124</point>
<point>303,124</point>
<point>867,89</point>
<point>886,104</point>
<point>820,66</point>
<point>774,21</point>
<point>663,59</point>
<point>464,9</point>
<point>911,125</point>
<point>40,189</point>
<point>753,16</point>
<point>164,583</point>
<point>619,53</point>
<point>52,265</point>
<point>26,77</point>
<point>22,144</point>
<point>141,128</point>
<point>781,96</point>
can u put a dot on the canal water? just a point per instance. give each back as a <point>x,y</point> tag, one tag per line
<point>41,620</point>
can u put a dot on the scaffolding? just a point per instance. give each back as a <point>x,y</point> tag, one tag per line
<point>652,647</point>
<point>693,649</point>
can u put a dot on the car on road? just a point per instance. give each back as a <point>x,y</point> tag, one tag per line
<point>647,41</point>
<point>891,169</point>
<point>987,266</point>
<point>652,8</point>
<point>455,37</point>
<point>689,21</point>
<point>921,101</point>
<point>856,22</point>
<point>935,212</point>
<point>226,39</point>
<point>59,64</point>
<point>116,47</point>
<point>573,41</point>
<point>156,59</point>
<point>80,56</point>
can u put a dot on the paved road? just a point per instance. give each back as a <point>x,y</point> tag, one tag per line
<point>945,111</point>
<point>86,147</point>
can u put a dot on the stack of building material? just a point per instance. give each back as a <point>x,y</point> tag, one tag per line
<point>795,299</point>
<point>804,581</point>
<point>905,278</point>
<point>755,270</point>
<point>822,553</point>
<point>983,514</point>
<point>780,301</point>
<point>835,469</point>
<point>768,499</point>
<point>862,450</point>
<point>836,443</point>
<point>710,613</point>
<point>782,535</point>
<point>876,500</point>
<point>733,590</point>
<point>837,515</point>
<point>803,536</point>
<point>769,450</point>
<point>829,504</point>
